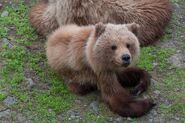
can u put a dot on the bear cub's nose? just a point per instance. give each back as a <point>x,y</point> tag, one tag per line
<point>126,59</point>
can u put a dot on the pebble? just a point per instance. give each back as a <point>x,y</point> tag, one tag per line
<point>177,118</point>
<point>155,113</point>
<point>157,92</point>
<point>153,81</point>
<point>94,106</point>
<point>155,64</point>
<point>178,51</point>
<point>73,115</point>
<point>151,120</point>
<point>10,100</point>
<point>4,14</point>
<point>41,64</point>
<point>119,119</point>
<point>4,113</point>
<point>129,119</point>
<point>50,110</point>
<point>31,83</point>
<point>6,41</point>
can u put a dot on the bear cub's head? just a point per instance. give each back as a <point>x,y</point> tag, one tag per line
<point>116,46</point>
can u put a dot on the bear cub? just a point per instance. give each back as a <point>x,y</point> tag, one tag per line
<point>101,57</point>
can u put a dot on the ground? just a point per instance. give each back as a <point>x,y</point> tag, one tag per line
<point>30,92</point>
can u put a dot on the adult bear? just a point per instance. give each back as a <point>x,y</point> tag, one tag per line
<point>151,15</point>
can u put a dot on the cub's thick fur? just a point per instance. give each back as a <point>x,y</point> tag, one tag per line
<point>151,15</point>
<point>100,57</point>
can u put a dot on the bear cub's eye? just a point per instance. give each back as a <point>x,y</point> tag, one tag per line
<point>128,45</point>
<point>114,47</point>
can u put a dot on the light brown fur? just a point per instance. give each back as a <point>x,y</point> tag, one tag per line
<point>151,15</point>
<point>40,21</point>
<point>87,59</point>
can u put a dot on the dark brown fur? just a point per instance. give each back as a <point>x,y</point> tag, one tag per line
<point>151,15</point>
<point>135,77</point>
<point>120,101</point>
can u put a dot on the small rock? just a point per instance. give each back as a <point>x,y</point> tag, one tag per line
<point>178,51</point>
<point>4,14</point>
<point>129,119</point>
<point>31,84</point>
<point>151,120</point>
<point>50,110</point>
<point>155,64</point>
<point>73,115</point>
<point>10,100</point>
<point>145,96</point>
<point>119,119</point>
<point>6,41</point>
<point>4,113</point>
<point>94,106</point>
<point>155,113</point>
<point>157,92</point>
<point>153,81</point>
<point>178,89</point>
<point>177,118</point>
<point>41,64</point>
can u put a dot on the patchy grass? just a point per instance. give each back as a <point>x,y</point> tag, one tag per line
<point>20,63</point>
<point>2,96</point>
<point>173,87</point>
<point>152,57</point>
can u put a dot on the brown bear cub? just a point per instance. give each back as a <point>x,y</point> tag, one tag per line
<point>151,15</point>
<point>101,57</point>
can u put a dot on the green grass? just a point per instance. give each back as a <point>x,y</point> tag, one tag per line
<point>151,55</point>
<point>2,96</point>
<point>173,87</point>
<point>92,117</point>
<point>18,59</point>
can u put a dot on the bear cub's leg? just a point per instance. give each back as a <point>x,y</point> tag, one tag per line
<point>120,101</point>
<point>81,89</point>
<point>135,77</point>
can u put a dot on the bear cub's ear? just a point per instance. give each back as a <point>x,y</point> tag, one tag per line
<point>133,27</point>
<point>99,29</point>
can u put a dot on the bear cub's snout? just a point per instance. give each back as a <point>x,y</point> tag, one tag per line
<point>126,59</point>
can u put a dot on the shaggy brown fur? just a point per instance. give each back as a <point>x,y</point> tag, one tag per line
<point>93,57</point>
<point>151,15</point>
<point>43,24</point>
<point>134,77</point>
